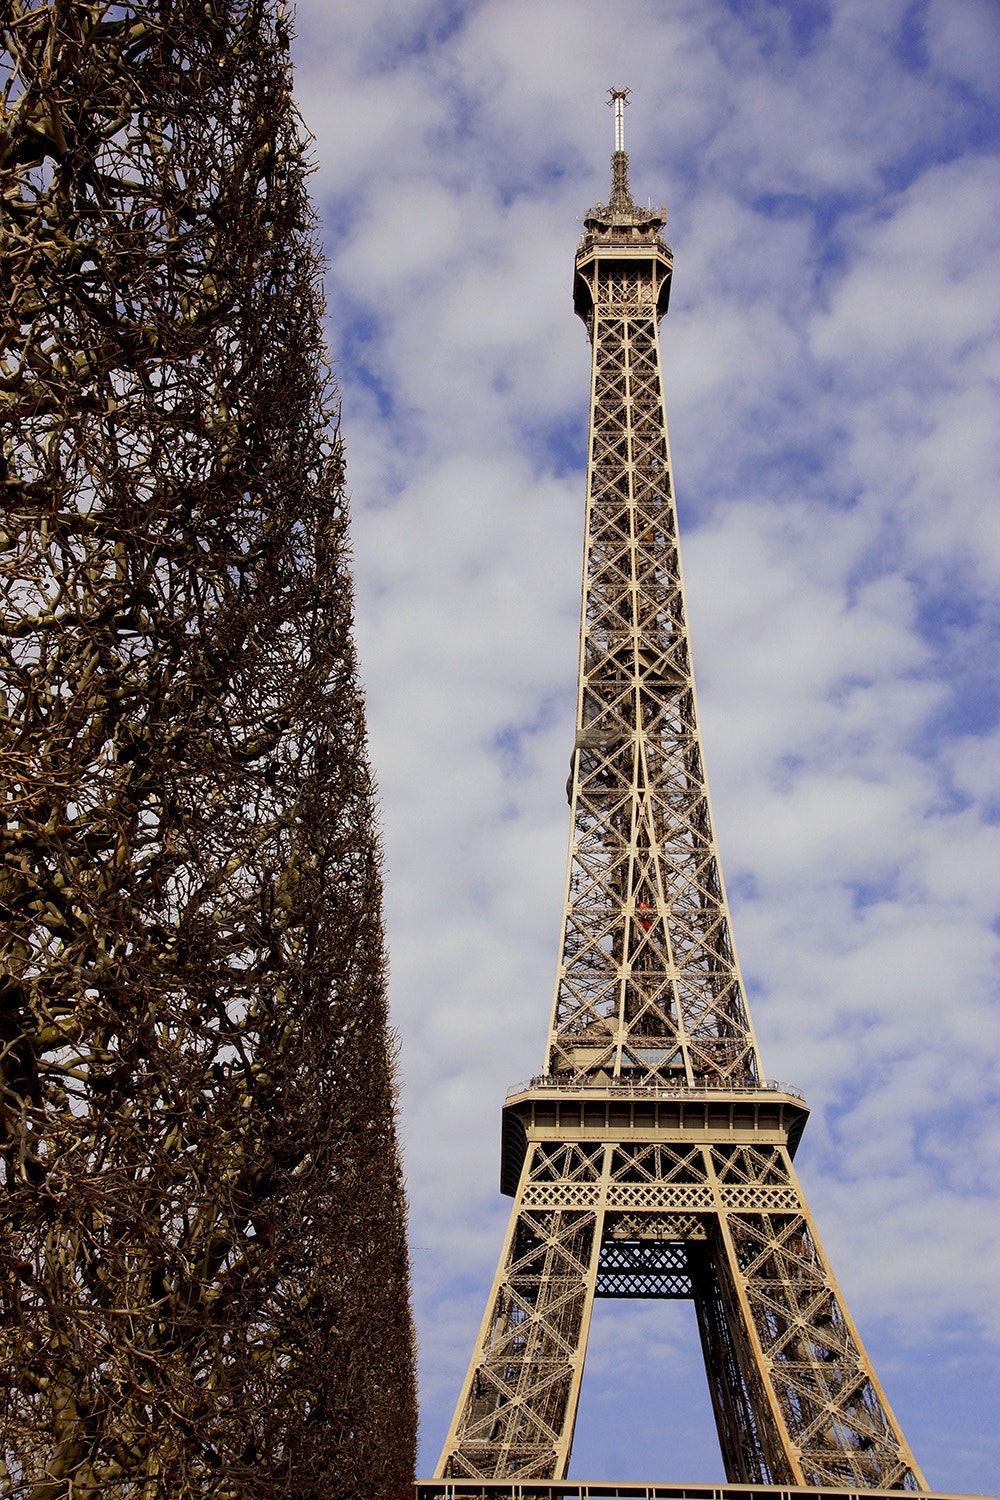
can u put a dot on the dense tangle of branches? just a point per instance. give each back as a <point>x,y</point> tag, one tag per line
<point>202,1262</point>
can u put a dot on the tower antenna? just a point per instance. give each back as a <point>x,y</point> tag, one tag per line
<point>621,195</point>
<point>618,98</point>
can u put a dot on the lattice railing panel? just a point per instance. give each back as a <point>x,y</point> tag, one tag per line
<point>658,1162</point>
<point>643,1268</point>
<point>566,1163</point>
<point>746,1163</point>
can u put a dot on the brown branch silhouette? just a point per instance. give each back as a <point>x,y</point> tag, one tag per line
<point>202,1258</point>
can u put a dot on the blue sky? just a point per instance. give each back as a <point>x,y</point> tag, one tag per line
<point>831,359</point>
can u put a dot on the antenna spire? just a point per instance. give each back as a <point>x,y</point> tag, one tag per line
<point>621,195</point>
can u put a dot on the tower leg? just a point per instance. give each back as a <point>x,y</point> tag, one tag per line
<point>824,1419</point>
<point>748,1452</point>
<point>518,1405</point>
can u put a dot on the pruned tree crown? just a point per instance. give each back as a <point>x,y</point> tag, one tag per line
<point>202,1259</point>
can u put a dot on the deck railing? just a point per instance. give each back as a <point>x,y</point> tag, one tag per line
<point>620,1088</point>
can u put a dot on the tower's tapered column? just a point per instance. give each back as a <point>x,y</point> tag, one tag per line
<point>518,1404</point>
<point>652,1159</point>
<point>649,988</point>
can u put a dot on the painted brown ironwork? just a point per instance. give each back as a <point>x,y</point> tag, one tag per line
<point>652,1158</point>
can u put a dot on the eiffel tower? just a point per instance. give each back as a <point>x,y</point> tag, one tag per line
<point>653,1158</point>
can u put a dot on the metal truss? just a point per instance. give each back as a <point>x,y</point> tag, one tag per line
<point>649,987</point>
<point>675,1214</point>
<point>652,1159</point>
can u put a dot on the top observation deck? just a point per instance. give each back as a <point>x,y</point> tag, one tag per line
<point>621,233</point>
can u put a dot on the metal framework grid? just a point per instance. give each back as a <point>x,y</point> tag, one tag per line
<point>652,1158</point>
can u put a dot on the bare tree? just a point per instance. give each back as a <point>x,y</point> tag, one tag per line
<point>203,1269</point>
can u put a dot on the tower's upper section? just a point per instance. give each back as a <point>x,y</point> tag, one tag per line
<point>649,993</point>
<point>620,235</point>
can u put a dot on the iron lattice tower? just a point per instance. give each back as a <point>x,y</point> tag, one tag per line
<point>653,1158</point>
